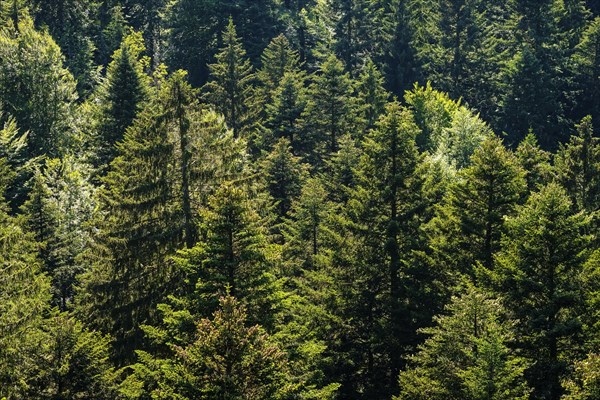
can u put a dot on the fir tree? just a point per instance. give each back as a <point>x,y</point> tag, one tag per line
<point>283,114</point>
<point>284,175</point>
<point>577,167</point>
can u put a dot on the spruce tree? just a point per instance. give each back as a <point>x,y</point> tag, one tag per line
<point>284,175</point>
<point>230,89</point>
<point>577,165</point>
<point>284,113</point>
<point>224,358</point>
<point>586,64</point>
<point>328,114</point>
<point>277,59</point>
<point>371,96</point>
<point>535,162</point>
<point>71,24</point>
<point>468,226</point>
<point>137,227</point>
<point>538,272</point>
<point>467,355</point>
<point>119,98</point>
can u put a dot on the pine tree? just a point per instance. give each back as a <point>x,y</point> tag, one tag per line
<point>230,89</point>
<point>538,271</point>
<point>467,355</point>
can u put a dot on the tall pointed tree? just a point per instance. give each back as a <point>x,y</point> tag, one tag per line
<point>538,271</point>
<point>119,98</point>
<point>330,105</point>
<point>230,89</point>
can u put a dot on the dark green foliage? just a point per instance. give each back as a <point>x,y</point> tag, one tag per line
<point>468,226</point>
<point>119,98</point>
<point>578,166</point>
<point>284,175</point>
<point>330,105</point>
<point>538,270</point>
<point>261,218</point>
<point>467,355</point>
<point>71,24</point>
<point>230,88</point>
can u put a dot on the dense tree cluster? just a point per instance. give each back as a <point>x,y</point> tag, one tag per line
<point>299,199</point>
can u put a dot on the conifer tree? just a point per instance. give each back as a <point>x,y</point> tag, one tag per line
<point>230,88</point>
<point>538,271</point>
<point>59,206</point>
<point>284,113</point>
<point>36,89</point>
<point>224,358</point>
<point>467,229</point>
<point>371,96</point>
<point>467,355</point>
<point>72,362</point>
<point>120,98</point>
<point>535,162</point>
<point>330,105</point>
<point>277,59</point>
<point>578,165</point>
<point>71,24</point>
<point>384,219</point>
<point>586,60</point>
<point>284,175</point>
<point>24,297</point>
<point>137,228</point>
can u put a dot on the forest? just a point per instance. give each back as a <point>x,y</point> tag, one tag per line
<point>300,199</point>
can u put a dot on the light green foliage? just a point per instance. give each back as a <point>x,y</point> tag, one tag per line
<point>586,383</point>
<point>36,89</point>
<point>225,359</point>
<point>24,296</point>
<point>535,162</point>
